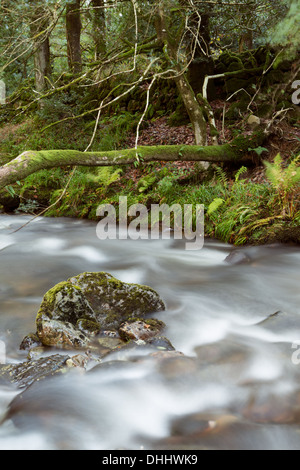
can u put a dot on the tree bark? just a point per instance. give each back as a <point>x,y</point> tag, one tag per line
<point>42,65</point>
<point>41,44</point>
<point>32,161</point>
<point>99,28</point>
<point>193,109</point>
<point>73,30</point>
<point>199,50</point>
<point>187,94</point>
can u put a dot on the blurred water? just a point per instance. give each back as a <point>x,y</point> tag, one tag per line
<point>241,365</point>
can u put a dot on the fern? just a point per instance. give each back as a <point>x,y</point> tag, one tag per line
<point>104,176</point>
<point>274,172</point>
<point>241,171</point>
<point>259,223</point>
<point>292,173</point>
<point>221,176</point>
<point>114,176</point>
<point>10,190</point>
<point>145,183</point>
<point>246,213</point>
<point>224,230</point>
<point>166,185</point>
<point>214,206</point>
<point>285,182</point>
<point>283,178</point>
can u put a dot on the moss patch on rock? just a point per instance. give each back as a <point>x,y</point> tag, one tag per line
<point>114,301</point>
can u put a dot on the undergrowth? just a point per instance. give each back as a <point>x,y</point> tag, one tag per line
<point>236,210</point>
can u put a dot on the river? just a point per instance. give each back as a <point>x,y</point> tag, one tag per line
<point>241,389</point>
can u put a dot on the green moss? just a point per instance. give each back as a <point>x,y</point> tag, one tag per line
<point>179,117</point>
<point>64,302</point>
<point>114,301</point>
<point>237,108</point>
<point>236,64</point>
<point>88,327</point>
<point>213,131</point>
<point>264,110</point>
<point>249,60</point>
<point>274,77</point>
<point>234,84</point>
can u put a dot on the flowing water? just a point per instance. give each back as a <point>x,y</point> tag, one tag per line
<point>237,386</point>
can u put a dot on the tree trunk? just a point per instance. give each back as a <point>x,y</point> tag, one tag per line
<point>73,30</point>
<point>32,161</point>
<point>202,63</point>
<point>193,108</point>
<point>186,92</point>
<point>246,39</point>
<point>41,45</point>
<point>99,28</point>
<point>42,65</point>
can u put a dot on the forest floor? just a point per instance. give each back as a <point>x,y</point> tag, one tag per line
<point>285,140</point>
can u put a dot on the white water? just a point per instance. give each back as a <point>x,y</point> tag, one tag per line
<point>214,314</point>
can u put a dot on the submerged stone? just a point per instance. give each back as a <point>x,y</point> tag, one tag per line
<point>26,373</point>
<point>238,257</point>
<point>30,341</point>
<point>139,329</point>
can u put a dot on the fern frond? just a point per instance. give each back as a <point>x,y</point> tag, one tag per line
<point>145,183</point>
<point>105,176</point>
<point>241,171</point>
<point>274,171</point>
<point>214,206</point>
<point>292,173</point>
<point>221,176</point>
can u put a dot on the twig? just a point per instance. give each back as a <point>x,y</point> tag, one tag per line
<point>223,120</point>
<point>95,128</point>
<point>144,113</point>
<point>205,84</point>
<point>236,92</point>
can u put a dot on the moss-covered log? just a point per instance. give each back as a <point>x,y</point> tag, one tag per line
<point>32,161</point>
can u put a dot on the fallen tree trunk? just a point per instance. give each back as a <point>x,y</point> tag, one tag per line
<point>32,161</point>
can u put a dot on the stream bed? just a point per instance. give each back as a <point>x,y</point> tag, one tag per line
<point>233,314</point>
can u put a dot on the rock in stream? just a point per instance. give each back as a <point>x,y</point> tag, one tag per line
<point>94,313</point>
<point>75,311</point>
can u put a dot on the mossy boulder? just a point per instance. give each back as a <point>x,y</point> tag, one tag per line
<point>236,110</point>
<point>73,312</point>
<point>234,84</point>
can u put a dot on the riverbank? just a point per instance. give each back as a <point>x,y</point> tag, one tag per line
<point>253,204</point>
